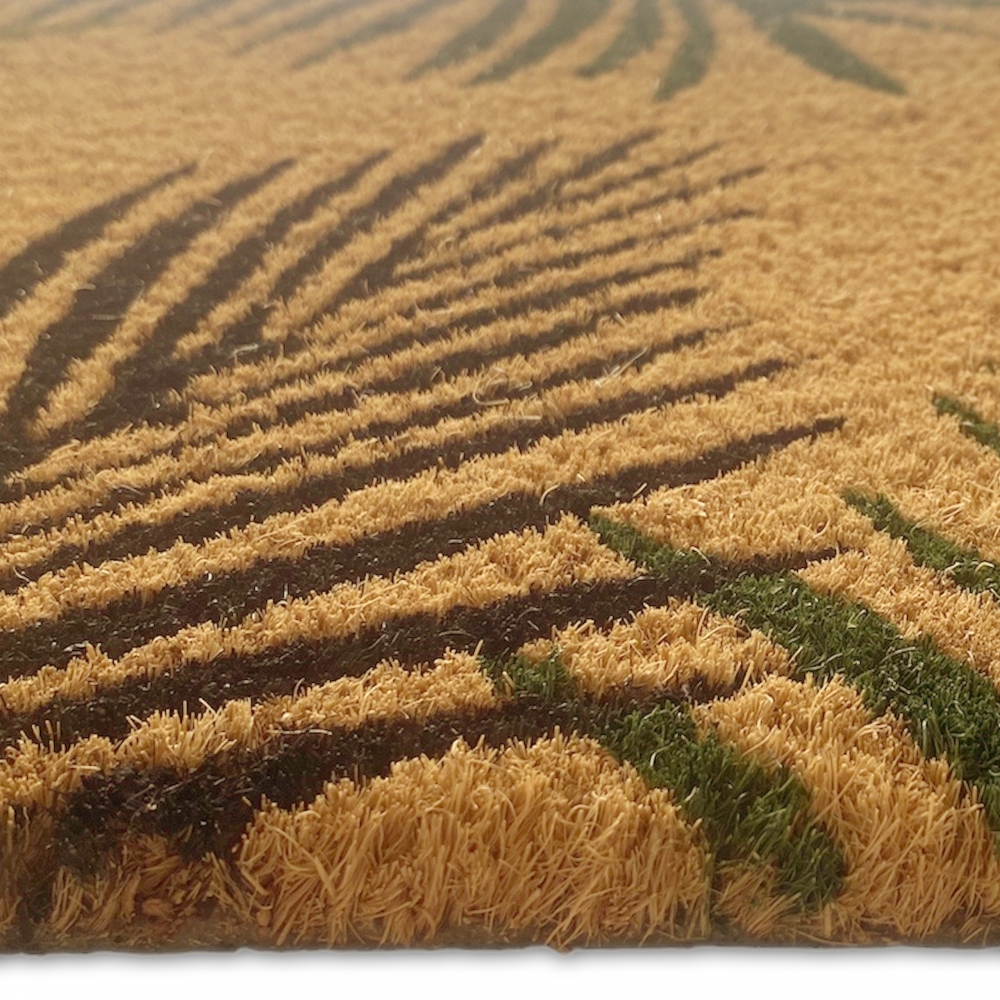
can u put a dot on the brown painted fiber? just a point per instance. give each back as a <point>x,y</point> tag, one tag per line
<point>406,403</point>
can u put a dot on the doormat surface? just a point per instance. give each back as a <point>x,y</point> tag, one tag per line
<point>499,471</point>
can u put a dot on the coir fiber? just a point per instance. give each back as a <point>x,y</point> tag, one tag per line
<point>491,472</point>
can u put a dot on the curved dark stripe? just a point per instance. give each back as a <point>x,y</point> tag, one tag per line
<point>144,381</point>
<point>548,193</point>
<point>544,195</point>
<point>464,359</point>
<point>950,709</point>
<point>477,318</point>
<point>968,568</point>
<point>44,11</point>
<point>156,374</point>
<point>196,10</point>
<point>197,526</point>
<point>470,358</point>
<point>684,193</point>
<point>95,312</point>
<point>872,17</point>
<point>294,410</point>
<point>471,259</point>
<point>551,195</point>
<point>477,38</point>
<point>362,219</point>
<point>412,640</point>
<point>691,61</point>
<point>37,263</point>
<point>45,255</point>
<point>826,54</point>
<point>570,20</point>
<point>494,632</point>
<point>209,808</point>
<point>743,174</point>
<point>392,24</point>
<point>107,15</point>
<point>970,423</point>
<point>370,278</point>
<point>614,184</point>
<point>816,48</point>
<point>306,22</point>
<point>747,810</point>
<point>640,33</point>
<point>527,203</point>
<point>380,274</point>
<point>474,319</point>
<point>593,368</point>
<point>227,599</point>
<point>467,359</point>
<point>571,260</point>
<point>268,7</point>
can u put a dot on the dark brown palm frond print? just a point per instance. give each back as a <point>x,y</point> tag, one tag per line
<point>793,25</point>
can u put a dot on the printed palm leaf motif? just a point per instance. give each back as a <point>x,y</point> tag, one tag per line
<point>440,466</point>
<point>495,316</point>
<point>788,23</point>
<point>785,22</point>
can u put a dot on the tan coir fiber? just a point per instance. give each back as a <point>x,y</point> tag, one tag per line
<point>493,472</point>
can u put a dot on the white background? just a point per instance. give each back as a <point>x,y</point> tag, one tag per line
<point>706,973</point>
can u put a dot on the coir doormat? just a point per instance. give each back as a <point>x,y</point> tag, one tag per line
<point>488,472</point>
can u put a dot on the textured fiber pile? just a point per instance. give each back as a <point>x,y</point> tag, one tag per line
<point>499,471</point>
